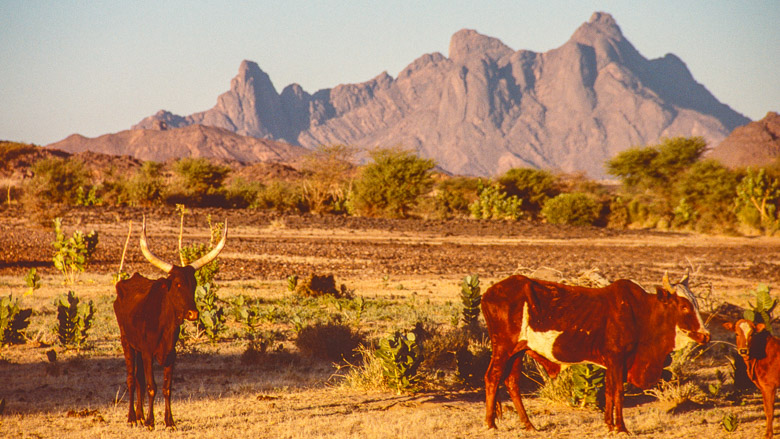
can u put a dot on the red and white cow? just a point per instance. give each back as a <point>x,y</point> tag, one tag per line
<point>621,327</point>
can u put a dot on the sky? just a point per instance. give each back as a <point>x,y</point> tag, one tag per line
<point>99,67</point>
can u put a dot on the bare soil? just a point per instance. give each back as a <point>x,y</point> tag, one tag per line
<point>218,394</point>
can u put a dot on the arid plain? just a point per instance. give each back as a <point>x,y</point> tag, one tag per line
<point>220,391</point>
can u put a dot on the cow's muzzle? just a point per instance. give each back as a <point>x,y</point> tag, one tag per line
<point>698,337</point>
<point>191,315</point>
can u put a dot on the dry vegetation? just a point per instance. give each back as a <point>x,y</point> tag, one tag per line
<point>405,270</point>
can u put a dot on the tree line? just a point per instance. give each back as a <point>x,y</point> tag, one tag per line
<point>669,185</point>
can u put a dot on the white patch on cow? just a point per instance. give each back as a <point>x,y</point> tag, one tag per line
<point>746,329</point>
<point>539,342</point>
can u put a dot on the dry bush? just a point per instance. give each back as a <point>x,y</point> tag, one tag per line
<point>329,341</point>
<point>317,286</point>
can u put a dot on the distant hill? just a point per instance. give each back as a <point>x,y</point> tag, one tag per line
<point>163,144</point>
<point>755,144</point>
<point>485,107</point>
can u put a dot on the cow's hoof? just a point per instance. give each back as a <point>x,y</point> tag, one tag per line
<point>529,427</point>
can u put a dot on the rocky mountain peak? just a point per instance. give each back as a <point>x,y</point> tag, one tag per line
<point>487,108</point>
<point>468,43</point>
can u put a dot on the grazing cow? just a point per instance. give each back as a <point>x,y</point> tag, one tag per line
<point>149,314</point>
<point>621,327</point>
<point>761,353</point>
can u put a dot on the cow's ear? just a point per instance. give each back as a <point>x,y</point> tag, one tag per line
<point>729,326</point>
<point>760,327</point>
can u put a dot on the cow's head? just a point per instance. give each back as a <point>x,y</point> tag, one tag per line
<point>685,310</point>
<point>182,279</point>
<point>745,330</point>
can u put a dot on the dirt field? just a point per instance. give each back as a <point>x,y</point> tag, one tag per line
<point>216,394</point>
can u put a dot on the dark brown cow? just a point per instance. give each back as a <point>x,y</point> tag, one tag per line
<point>761,353</point>
<point>149,313</point>
<point>621,327</point>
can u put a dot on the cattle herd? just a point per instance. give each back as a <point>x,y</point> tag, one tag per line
<point>622,327</point>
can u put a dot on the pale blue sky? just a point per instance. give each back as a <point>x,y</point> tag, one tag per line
<point>97,67</point>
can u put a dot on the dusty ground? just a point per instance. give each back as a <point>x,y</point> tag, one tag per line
<point>218,395</point>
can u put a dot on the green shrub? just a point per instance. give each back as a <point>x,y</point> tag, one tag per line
<point>13,321</point>
<point>453,197</point>
<point>588,384</point>
<point>493,203</point>
<point>280,196</point>
<point>574,209</point>
<point>533,186</point>
<point>146,186</point>
<point>391,185</point>
<point>56,180</point>
<point>328,171</point>
<point>197,182</point>
<point>211,315</point>
<point>400,356</point>
<point>74,319</point>
<point>249,314</point>
<point>72,254</point>
<point>242,194</point>
<point>330,341</point>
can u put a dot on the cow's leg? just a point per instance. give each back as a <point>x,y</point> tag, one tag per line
<point>140,387</point>
<point>151,389</point>
<point>513,386</point>
<point>769,408</point>
<point>167,382</point>
<point>130,366</point>
<point>614,391</point>
<point>493,376</point>
<point>609,400</point>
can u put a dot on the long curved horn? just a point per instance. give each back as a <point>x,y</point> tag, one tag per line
<point>208,257</point>
<point>684,279</point>
<point>157,262</point>
<point>666,284</point>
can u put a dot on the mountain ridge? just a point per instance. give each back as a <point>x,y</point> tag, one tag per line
<point>485,107</point>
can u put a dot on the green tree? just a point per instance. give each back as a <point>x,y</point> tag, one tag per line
<point>493,203</point>
<point>758,199</point>
<point>533,186</point>
<point>652,172</point>
<point>705,195</point>
<point>392,184</point>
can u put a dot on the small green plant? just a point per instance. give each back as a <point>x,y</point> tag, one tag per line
<point>730,422</point>
<point>74,319</point>
<point>192,252</point>
<point>32,280</point>
<point>248,314</point>
<point>292,282</point>
<point>471,297</point>
<point>72,254</point>
<point>761,312</point>
<point>401,357</point>
<point>493,203</point>
<point>13,321</point>
<point>587,385</point>
<point>211,315</point>
<point>87,198</point>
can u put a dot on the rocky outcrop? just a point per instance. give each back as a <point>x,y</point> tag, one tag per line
<point>188,141</point>
<point>755,144</point>
<point>485,108</point>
